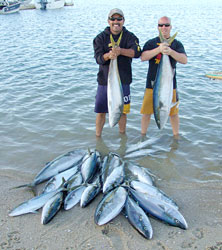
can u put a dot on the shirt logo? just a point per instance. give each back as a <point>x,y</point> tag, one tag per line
<point>157,59</point>
<point>138,47</point>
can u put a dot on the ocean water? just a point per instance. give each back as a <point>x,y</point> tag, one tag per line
<point>48,86</point>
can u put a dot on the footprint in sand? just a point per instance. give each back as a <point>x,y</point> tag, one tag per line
<point>198,234</point>
<point>12,239</point>
<point>115,237</point>
<point>218,246</point>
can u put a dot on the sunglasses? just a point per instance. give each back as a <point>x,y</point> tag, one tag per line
<point>116,18</point>
<point>164,24</point>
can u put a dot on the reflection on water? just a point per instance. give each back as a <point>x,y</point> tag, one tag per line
<point>104,148</point>
<point>48,86</point>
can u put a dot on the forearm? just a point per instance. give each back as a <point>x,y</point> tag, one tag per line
<point>149,54</point>
<point>127,52</point>
<point>179,57</point>
<point>115,52</point>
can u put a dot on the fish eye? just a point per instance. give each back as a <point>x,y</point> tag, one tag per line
<point>177,222</point>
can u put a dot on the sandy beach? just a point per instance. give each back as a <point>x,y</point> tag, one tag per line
<point>201,205</point>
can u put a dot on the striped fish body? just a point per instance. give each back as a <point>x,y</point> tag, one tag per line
<point>138,218</point>
<point>33,204</point>
<point>59,165</point>
<point>89,166</point>
<point>160,209</point>
<point>110,206</point>
<point>163,91</point>
<point>136,172</point>
<point>152,191</point>
<point>112,161</point>
<point>74,181</point>
<point>51,208</point>
<point>57,180</point>
<point>89,194</point>
<point>115,178</point>
<point>73,197</point>
<point>114,94</point>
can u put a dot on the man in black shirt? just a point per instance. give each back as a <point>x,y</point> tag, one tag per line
<point>127,47</point>
<point>152,51</point>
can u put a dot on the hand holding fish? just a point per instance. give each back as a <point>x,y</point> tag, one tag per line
<point>117,50</point>
<point>114,53</point>
<point>165,49</point>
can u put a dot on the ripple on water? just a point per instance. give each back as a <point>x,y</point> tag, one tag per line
<point>48,86</point>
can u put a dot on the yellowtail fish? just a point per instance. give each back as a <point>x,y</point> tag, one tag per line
<point>163,88</point>
<point>114,94</point>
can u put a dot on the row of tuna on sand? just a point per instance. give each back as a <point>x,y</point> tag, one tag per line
<point>77,177</point>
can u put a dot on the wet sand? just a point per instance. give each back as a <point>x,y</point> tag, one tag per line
<point>201,205</point>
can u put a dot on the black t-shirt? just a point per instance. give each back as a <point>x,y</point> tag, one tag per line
<point>102,45</point>
<point>154,62</point>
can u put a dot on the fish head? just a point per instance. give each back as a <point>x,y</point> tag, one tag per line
<point>175,218</point>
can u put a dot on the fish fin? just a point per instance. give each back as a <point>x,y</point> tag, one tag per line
<point>63,186</point>
<point>63,182</point>
<point>162,207</point>
<point>161,36</point>
<point>174,104</point>
<point>33,191</point>
<point>30,185</point>
<point>34,212</point>
<point>170,40</point>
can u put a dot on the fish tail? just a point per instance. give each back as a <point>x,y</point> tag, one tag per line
<point>169,41</point>
<point>172,38</point>
<point>30,185</point>
<point>161,36</point>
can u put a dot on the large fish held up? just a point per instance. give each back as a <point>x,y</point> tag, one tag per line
<point>163,87</point>
<point>114,94</point>
<point>114,90</point>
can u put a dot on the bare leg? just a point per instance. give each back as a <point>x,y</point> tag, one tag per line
<point>175,123</point>
<point>100,121</point>
<point>122,124</point>
<point>145,121</point>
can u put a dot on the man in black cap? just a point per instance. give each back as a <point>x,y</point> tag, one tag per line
<point>126,48</point>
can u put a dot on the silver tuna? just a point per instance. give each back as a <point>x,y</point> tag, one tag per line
<point>114,94</point>
<point>163,88</point>
<point>160,209</point>
<point>115,178</point>
<point>89,166</point>
<point>33,204</point>
<point>56,166</point>
<point>51,208</point>
<point>136,172</point>
<point>138,218</point>
<point>110,206</point>
<point>152,191</point>
<point>57,180</point>
<point>73,197</point>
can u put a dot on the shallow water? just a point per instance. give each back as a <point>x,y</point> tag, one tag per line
<point>48,86</point>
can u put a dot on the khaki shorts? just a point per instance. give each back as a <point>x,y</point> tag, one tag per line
<point>147,106</point>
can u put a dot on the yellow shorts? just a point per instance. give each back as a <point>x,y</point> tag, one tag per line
<point>147,106</point>
<point>126,108</point>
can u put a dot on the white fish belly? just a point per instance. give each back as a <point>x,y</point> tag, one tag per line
<point>114,94</point>
<point>166,91</point>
